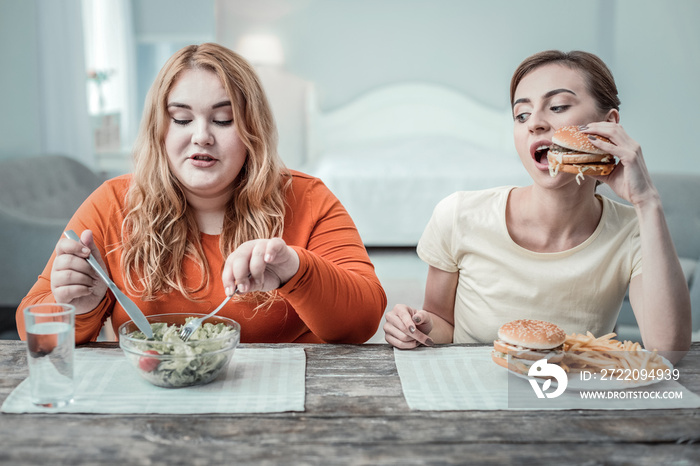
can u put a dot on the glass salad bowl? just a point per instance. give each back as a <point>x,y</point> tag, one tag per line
<point>167,361</point>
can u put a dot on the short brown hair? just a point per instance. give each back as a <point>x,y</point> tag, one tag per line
<point>599,79</point>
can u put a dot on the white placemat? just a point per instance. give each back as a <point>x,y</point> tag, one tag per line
<point>465,378</point>
<point>258,380</point>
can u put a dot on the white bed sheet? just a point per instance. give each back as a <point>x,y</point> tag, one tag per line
<point>390,188</point>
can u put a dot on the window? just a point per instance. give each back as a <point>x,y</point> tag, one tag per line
<point>111,90</point>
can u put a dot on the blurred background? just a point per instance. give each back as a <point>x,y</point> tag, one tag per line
<point>74,73</point>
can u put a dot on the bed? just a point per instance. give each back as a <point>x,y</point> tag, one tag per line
<point>392,154</point>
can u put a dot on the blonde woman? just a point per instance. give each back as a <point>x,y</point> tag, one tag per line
<point>210,207</point>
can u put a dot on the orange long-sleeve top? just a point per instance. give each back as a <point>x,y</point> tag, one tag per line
<point>335,296</point>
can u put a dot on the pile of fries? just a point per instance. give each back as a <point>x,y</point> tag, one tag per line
<point>586,352</point>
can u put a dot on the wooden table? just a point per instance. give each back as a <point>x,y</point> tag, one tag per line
<point>355,414</point>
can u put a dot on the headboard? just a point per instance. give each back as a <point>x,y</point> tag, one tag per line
<point>392,154</point>
<point>407,110</point>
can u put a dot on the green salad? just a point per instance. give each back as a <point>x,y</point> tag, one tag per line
<point>196,362</point>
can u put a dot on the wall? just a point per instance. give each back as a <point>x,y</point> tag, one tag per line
<point>348,47</point>
<point>157,23</point>
<point>162,27</point>
<point>657,66</point>
<point>173,19</point>
<point>20,131</point>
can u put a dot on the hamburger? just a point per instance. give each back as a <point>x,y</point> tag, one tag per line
<point>572,152</point>
<point>527,341</point>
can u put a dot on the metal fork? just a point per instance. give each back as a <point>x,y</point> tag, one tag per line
<point>187,331</point>
<point>127,304</point>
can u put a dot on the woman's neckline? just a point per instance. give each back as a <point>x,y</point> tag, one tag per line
<point>580,245</point>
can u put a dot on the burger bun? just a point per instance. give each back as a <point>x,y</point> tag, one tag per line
<point>516,365</point>
<point>529,333</point>
<point>569,158</point>
<point>522,342</point>
<point>587,169</point>
<point>570,137</point>
<point>572,152</point>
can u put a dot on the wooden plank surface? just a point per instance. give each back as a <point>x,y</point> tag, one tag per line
<point>355,414</point>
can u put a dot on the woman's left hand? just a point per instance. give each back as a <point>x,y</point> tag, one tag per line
<point>259,265</point>
<point>630,180</point>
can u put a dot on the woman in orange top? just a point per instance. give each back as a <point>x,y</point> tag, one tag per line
<point>209,196</point>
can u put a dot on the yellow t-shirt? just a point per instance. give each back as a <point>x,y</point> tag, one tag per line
<point>580,289</point>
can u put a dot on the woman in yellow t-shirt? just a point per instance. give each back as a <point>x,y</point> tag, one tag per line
<point>553,250</point>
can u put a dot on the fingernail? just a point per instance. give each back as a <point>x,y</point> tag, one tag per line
<point>416,319</point>
<point>411,329</point>
<point>429,342</point>
<point>591,137</point>
<point>583,127</point>
<point>86,251</point>
<point>228,291</point>
<point>268,257</point>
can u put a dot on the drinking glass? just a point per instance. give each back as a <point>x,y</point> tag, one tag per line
<point>50,344</point>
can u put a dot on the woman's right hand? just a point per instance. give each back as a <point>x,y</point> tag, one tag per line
<point>73,281</point>
<point>406,328</point>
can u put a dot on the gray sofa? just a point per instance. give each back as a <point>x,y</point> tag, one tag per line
<point>38,195</point>
<point>680,196</point>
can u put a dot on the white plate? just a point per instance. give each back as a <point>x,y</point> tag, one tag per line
<point>596,383</point>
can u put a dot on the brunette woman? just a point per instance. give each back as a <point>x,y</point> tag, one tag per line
<point>554,250</point>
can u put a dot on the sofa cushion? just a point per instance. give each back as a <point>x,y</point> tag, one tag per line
<point>48,187</point>
<point>38,196</point>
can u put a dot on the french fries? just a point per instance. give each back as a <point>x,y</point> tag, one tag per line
<point>586,352</point>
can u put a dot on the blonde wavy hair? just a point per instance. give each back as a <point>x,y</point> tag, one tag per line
<point>159,231</point>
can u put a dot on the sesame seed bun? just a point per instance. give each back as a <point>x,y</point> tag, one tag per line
<point>570,137</point>
<point>522,342</point>
<point>572,152</point>
<point>536,334</point>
